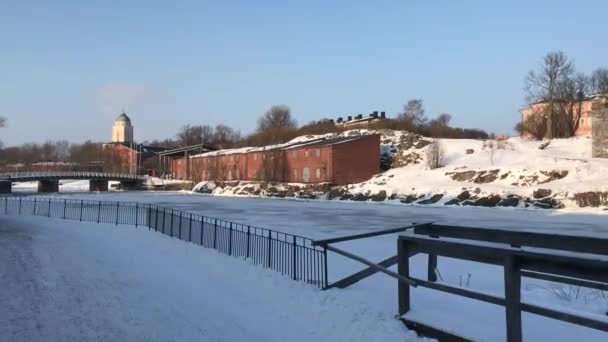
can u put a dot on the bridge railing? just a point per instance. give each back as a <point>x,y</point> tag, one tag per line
<point>288,254</point>
<point>67,175</point>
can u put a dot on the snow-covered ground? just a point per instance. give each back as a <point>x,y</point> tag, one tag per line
<point>376,296</point>
<point>73,281</point>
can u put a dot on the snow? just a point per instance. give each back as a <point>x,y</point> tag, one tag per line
<point>372,301</point>
<point>73,281</point>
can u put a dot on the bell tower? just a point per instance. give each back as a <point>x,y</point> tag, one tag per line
<point>122,130</point>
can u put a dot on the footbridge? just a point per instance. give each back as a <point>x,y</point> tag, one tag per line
<point>49,181</point>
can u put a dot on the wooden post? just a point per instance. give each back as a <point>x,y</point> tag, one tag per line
<point>403,269</point>
<point>513,299</point>
<point>432,266</point>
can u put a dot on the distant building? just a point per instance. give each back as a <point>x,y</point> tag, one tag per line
<point>585,123</point>
<point>339,161</point>
<point>360,121</point>
<point>122,130</point>
<point>124,155</point>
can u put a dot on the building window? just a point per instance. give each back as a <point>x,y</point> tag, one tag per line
<point>307,153</point>
<point>237,173</point>
<point>295,174</point>
<point>231,158</point>
<point>229,174</point>
<point>295,154</point>
<point>306,174</point>
<point>318,152</point>
<point>318,173</point>
<point>255,156</point>
<point>582,122</point>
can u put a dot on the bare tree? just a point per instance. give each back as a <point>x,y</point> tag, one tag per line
<point>599,81</point>
<point>535,124</point>
<point>276,125</point>
<point>413,113</point>
<point>542,84</point>
<point>190,135</point>
<point>571,92</point>
<point>225,137</point>
<point>435,155</point>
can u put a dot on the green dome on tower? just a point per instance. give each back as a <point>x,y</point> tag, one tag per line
<point>123,118</point>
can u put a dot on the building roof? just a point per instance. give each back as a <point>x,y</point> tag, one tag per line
<point>123,117</point>
<point>192,149</point>
<point>285,146</point>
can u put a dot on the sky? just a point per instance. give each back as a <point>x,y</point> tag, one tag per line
<point>68,68</point>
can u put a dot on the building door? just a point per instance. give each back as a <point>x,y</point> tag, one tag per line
<point>306,175</point>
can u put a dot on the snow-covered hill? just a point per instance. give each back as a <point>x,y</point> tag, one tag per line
<point>509,173</point>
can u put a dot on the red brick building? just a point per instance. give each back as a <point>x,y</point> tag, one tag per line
<point>339,161</point>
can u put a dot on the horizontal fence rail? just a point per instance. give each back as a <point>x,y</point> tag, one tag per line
<point>291,255</point>
<point>51,175</point>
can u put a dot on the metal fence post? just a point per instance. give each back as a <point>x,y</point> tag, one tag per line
<point>19,205</point>
<point>49,211</point>
<point>98,211</point>
<point>136,213</point>
<point>190,229</point>
<point>325,267</point>
<point>230,241</point>
<point>171,223</point>
<point>269,248</point>
<point>65,204</point>
<point>215,234</point>
<point>35,206</point>
<point>117,205</point>
<point>163,220</point>
<point>294,258</point>
<point>5,205</point>
<point>179,236</point>
<point>248,238</point>
<point>81,205</point>
<point>202,228</point>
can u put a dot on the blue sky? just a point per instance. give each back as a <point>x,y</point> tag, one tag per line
<point>67,68</point>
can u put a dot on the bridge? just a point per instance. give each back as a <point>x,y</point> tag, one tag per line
<point>49,181</point>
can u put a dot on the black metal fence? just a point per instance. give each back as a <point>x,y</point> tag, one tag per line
<point>288,254</point>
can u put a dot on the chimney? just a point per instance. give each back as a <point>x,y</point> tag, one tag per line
<point>349,118</point>
<point>383,115</point>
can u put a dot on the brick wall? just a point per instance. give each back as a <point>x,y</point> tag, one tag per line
<point>356,161</point>
<point>342,163</point>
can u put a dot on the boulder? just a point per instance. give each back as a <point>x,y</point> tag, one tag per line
<point>409,199</point>
<point>486,177</point>
<point>453,201</point>
<point>462,176</point>
<point>470,151</point>
<point>378,197</point>
<point>433,199</point>
<point>591,199</point>
<point>465,195</point>
<point>360,197</point>
<point>489,201</point>
<point>541,193</point>
<point>509,202</point>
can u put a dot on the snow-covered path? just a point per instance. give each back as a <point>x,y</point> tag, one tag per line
<point>73,281</point>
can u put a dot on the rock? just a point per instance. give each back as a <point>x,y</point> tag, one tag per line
<point>453,201</point>
<point>462,176</point>
<point>553,175</point>
<point>360,197</point>
<point>393,196</point>
<point>379,197</point>
<point>544,145</point>
<point>346,196</point>
<point>489,201</point>
<point>470,151</point>
<point>335,193</point>
<point>486,177</point>
<point>509,202</point>
<point>433,199</point>
<point>465,195</point>
<point>541,193</point>
<point>591,199</point>
<point>409,199</point>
